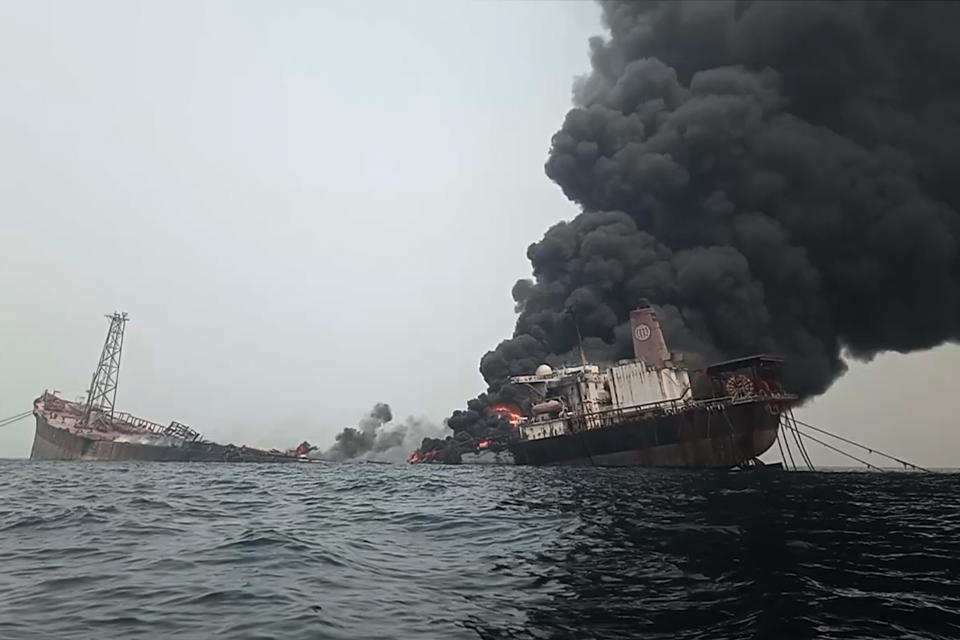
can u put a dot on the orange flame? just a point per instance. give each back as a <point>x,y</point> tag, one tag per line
<point>483,444</point>
<point>508,413</point>
<point>423,456</point>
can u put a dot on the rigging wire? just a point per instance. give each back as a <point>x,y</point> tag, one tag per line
<point>803,448</point>
<point>800,450</point>
<point>792,426</point>
<point>783,456</point>
<point>15,418</point>
<point>842,452</point>
<point>786,443</point>
<point>857,444</point>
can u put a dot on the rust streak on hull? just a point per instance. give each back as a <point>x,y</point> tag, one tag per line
<point>52,443</point>
<point>60,436</point>
<point>692,440</point>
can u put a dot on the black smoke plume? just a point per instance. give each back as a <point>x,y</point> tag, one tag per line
<point>377,437</point>
<point>774,176</point>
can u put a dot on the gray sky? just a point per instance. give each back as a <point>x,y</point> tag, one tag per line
<point>306,208</point>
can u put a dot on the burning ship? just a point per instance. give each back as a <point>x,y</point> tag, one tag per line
<point>650,411</point>
<point>93,431</point>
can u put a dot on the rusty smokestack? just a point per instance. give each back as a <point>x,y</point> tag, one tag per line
<point>648,343</point>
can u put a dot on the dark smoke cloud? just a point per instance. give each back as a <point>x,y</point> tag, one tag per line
<point>774,176</point>
<point>376,437</point>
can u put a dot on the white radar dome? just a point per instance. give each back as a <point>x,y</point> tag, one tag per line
<point>543,371</point>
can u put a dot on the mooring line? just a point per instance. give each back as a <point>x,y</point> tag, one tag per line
<point>862,446</point>
<point>783,456</point>
<point>792,424</point>
<point>786,443</point>
<point>844,453</point>
<point>800,449</point>
<point>15,418</point>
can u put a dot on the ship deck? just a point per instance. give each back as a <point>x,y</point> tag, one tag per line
<point>607,418</point>
<point>69,416</point>
<point>62,434</point>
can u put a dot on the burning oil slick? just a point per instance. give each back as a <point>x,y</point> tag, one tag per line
<point>773,176</point>
<point>377,438</point>
<point>496,420</point>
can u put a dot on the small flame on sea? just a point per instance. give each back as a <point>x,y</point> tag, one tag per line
<point>508,413</point>
<point>483,444</point>
<point>423,456</point>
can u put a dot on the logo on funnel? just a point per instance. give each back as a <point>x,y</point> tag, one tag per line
<point>642,332</point>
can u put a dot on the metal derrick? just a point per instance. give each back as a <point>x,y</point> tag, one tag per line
<point>102,395</point>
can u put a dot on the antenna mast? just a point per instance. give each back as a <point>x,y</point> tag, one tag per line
<point>583,356</point>
<point>576,324</point>
<point>103,388</point>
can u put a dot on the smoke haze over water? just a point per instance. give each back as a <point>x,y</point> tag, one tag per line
<point>773,176</point>
<point>376,437</point>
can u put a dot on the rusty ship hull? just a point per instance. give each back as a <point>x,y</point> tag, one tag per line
<point>62,434</point>
<point>93,430</point>
<point>53,443</point>
<point>697,438</point>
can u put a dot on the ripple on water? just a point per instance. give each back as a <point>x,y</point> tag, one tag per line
<point>378,551</point>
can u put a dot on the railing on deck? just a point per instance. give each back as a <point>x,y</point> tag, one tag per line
<point>610,417</point>
<point>182,431</point>
<point>174,429</point>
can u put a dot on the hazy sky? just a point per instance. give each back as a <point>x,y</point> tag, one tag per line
<point>306,208</point>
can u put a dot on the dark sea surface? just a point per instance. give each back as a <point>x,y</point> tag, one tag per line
<point>155,550</point>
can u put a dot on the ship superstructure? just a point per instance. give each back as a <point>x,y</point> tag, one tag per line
<point>652,410</point>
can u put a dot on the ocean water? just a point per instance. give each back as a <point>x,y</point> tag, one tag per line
<point>153,550</point>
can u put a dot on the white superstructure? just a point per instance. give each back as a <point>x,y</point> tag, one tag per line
<point>586,392</point>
